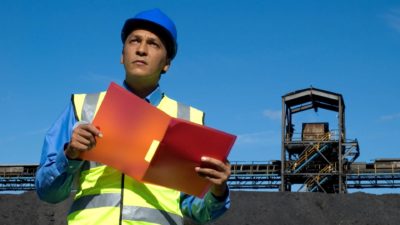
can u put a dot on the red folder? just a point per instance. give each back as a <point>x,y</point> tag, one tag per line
<point>147,144</point>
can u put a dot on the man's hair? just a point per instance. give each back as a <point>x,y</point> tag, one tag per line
<point>161,33</point>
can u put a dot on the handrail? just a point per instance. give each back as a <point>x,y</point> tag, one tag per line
<point>310,150</point>
<point>311,180</point>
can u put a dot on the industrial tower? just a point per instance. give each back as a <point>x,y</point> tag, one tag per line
<point>318,158</point>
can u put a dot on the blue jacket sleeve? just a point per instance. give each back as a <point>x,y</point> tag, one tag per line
<point>204,210</point>
<point>55,174</point>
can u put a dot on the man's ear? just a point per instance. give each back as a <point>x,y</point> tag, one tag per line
<point>122,55</point>
<point>166,67</point>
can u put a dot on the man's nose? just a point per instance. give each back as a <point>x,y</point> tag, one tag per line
<point>142,49</point>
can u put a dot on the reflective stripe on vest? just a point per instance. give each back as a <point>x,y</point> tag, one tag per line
<point>86,105</point>
<point>134,213</point>
<point>96,201</point>
<point>150,215</point>
<point>100,191</point>
<point>183,111</point>
<point>89,107</point>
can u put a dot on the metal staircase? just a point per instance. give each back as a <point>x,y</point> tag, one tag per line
<point>311,152</point>
<point>314,182</point>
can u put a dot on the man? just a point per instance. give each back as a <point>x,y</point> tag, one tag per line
<point>105,195</point>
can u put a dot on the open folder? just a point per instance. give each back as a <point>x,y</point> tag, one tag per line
<point>147,144</point>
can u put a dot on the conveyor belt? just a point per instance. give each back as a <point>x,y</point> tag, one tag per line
<point>245,175</point>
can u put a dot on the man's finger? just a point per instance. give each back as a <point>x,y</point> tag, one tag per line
<point>90,128</point>
<point>211,173</point>
<point>96,132</point>
<point>213,163</point>
<point>215,177</point>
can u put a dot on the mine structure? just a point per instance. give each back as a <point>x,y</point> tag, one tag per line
<point>317,159</point>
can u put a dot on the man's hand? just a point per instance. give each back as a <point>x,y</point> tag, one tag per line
<point>83,139</point>
<point>217,172</point>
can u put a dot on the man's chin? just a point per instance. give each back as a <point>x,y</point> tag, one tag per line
<point>142,78</point>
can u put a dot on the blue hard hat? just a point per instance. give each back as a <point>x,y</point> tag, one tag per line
<point>157,22</point>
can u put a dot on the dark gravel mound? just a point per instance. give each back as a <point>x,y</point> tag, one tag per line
<point>27,209</point>
<point>247,208</point>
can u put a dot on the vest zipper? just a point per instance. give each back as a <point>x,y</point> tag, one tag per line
<point>121,205</point>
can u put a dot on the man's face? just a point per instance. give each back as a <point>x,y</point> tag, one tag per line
<point>144,56</point>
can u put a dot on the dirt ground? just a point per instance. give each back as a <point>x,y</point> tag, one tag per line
<point>247,208</point>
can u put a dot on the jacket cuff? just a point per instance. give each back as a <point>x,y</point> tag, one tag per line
<point>67,165</point>
<point>218,201</point>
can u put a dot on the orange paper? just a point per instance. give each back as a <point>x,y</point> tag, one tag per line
<point>150,146</point>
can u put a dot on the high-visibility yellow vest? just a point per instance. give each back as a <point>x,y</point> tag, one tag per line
<point>107,196</point>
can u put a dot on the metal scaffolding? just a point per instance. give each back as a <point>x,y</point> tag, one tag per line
<point>317,159</point>
<point>17,177</point>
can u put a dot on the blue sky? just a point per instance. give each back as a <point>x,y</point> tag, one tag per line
<point>235,61</point>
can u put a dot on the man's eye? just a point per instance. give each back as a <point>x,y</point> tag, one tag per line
<point>134,40</point>
<point>155,44</point>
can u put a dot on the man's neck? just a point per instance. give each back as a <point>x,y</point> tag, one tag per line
<point>140,90</point>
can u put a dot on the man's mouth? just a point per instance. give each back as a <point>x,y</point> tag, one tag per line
<point>140,62</point>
